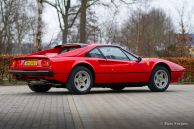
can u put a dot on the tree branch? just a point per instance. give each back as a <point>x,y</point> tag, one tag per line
<point>73,21</point>
<point>59,18</point>
<point>54,6</point>
<point>128,3</point>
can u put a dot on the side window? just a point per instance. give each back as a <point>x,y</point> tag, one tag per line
<point>131,57</point>
<point>94,54</point>
<point>113,53</point>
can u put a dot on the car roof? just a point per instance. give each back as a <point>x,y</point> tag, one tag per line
<point>82,45</point>
<point>70,45</point>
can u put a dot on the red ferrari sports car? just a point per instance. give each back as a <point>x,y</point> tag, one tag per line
<point>79,67</point>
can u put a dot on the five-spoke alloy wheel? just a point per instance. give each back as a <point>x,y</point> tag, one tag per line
<point>80,80</point>
<point>159,80</point>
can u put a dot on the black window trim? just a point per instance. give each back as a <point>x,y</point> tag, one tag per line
<point>98,50</point>
<point>115,47</point>
<point>128,53</point>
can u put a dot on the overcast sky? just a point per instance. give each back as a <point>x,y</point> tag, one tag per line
<point>169,6</point>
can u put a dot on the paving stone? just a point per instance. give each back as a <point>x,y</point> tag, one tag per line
<point>132,108</point>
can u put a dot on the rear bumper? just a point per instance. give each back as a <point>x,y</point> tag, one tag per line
<point>31,73</point>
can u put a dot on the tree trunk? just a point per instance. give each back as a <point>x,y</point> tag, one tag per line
<point>38,38</point>
<point>66,20</point>
<point>83,21</point>
<point>1,44</point>
<point>65,33</point>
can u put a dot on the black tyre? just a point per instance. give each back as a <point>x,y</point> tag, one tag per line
<point>117,88</point>
<point>80,80</point>
<point>39,88</point>
<point>160,79</point>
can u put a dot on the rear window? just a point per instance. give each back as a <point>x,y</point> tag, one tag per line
<point>70,48</point>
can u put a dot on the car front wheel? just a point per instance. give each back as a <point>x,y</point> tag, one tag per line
<point>39,88</point>
<point>160,79</point>
<point>80,80</point>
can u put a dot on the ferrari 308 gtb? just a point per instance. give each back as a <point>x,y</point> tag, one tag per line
<point>79,67</point>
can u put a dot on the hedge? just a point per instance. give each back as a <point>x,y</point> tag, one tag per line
<point>188,63</point>
<point>4,67</point>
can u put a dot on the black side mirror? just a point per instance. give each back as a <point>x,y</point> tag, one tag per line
<point>139,59</point>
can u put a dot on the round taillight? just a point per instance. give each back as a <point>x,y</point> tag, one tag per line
<point>13,63</point>
<point>18,62</point>
<point>45,63</point>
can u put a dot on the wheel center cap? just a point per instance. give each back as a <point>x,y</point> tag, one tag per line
<point>160,78</point>
<point>80,80</point>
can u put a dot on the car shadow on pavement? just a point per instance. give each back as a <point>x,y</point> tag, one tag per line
<point>132,91</point>
<point>138,91</point>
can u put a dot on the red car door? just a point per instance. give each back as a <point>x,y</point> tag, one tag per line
<point>102,68</point>
<point>129,71</point>
<point>124,67</point>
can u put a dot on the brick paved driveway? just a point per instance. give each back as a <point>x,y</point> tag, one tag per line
<point>133,108</point>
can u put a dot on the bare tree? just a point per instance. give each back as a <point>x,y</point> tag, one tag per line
<point>38,36</point>
<point>183,39</point>
<point>83,10</point>
<point>23,24</point>
<point>7,12</point>
<point>93,30</point>
<point>147,33</point>
<point>15,25</point>
<point>110,31</point>
<point>85,4</point>
<point>67,15</point>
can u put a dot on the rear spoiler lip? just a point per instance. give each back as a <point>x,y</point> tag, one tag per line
<point>71,45</point>
<point>31,57</point>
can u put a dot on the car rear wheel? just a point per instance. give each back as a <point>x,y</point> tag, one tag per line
<point>39,88</point>
<point>80,80</point>
<point>160,79</point>
<point>118,88</point>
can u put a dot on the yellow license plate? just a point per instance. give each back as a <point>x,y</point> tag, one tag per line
<point>31,63</point>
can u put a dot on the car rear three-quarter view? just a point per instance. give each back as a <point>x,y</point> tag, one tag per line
<point>79,67</point>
